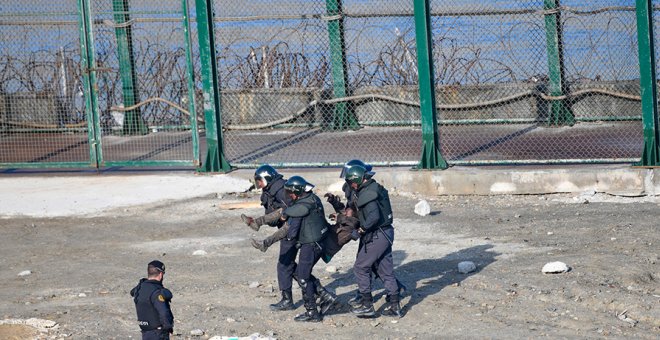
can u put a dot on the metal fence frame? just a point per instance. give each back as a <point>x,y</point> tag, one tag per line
<point>430,155</point>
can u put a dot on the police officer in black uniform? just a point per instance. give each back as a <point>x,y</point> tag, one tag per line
<point>377,236</point>
<point>273,197</point>
<point>308,228</point>
<point>351,197</point>
<point>152,303</point>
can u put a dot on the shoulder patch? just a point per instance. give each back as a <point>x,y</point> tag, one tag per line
<point>161,298</point>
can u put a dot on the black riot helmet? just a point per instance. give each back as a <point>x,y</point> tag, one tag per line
<point>297,185</point>
<point>354,162</point>
<point>265,173</point>
<point>355,174</point>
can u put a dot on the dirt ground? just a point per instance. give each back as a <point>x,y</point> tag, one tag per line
<point>83,267</point>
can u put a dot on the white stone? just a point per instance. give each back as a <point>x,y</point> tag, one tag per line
<point>254,284</point>
<point>197,332</point>
<point>82,295</point>
<point>25,273</point>
<point>466,267</point>
<point>199,252</point>
<point>422,208</point>
<point>331,269</point>
<point>555,267</point>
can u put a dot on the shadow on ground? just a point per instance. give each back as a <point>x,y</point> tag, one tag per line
<point>423,278</point>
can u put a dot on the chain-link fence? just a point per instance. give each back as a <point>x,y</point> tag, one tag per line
<point>299,81</point>
<point>544,81</point>
<point>40,84</point>
<point>537,80</point>
<point>124,99</point>
<point>317,82</point>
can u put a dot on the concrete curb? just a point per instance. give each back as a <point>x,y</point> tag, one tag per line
<point>620,180</point>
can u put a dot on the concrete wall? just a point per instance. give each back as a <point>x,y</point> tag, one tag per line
<point>253,106</point>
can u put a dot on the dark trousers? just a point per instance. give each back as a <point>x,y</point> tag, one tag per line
<point>309,255</point>
<point>286,263</point>
<point>377,253</point>
<point>156,334</point>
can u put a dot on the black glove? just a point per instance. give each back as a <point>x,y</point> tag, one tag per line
<point>335,201</point>
<point>355,235</point>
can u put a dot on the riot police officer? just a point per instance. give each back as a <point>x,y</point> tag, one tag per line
<point>341,208</point>
<point>308,228</point>
<point>377,236</point>
<point>273,199</point>
<point>152,303</point>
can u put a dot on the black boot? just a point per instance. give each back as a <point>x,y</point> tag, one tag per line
<point>356,300</point>
<point>393,307</point>
<point>401,288</point>
<point>326,298</point>
<point>310,315</point>
<point>366,308</point>
<point>285,304</point>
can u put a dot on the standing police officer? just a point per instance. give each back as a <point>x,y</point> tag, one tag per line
<point>152,303</point>
<point>308,228</point>
<point>274,198</point>
<point>377,236</point>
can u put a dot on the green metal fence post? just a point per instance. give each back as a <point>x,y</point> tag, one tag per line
<point>648,81</point>
<point>89,83</point>
<point>560,110</point>
<point>215,159</point>
<point>343,118</point>
<point>191,83</point>
<point>431,155</point>
<point>133,122</point>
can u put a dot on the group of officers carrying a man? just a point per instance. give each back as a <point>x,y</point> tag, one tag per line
<point>292,207</point>
<point>303,231</point>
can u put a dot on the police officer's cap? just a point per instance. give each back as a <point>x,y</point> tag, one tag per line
<point>160,266</point>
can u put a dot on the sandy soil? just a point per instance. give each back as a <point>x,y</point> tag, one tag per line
<point>83,267</point>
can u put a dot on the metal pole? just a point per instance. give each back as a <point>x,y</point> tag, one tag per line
<point>191,84</point>
<point>648,81</point>
<point>89,84</point>
<point>133,123</point>
<point>343,118</point>
<point>215,159</point>
<point>560,111</point>
<point>431,155</point>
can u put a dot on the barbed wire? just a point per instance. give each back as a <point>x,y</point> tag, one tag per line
<point>269,62</point>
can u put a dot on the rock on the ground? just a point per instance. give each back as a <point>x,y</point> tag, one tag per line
<point>254,284</point>
<point>254,336</point>
<point>25,273</point>
<point>197,332</point>
<point>331,269</point>
<point>466,267</point>
<point>199,252</point>
<point>422,208</point>
<point>555,267</point>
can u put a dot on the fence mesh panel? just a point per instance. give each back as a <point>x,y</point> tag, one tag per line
<point>310,82</point>
<point>537,80</point>
<point>278,75</point>
<point>148,37</point>
<point>42,112</point>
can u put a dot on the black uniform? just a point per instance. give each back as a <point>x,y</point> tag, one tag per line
<point>375,249</point>
<point>308,227</point>
<point>273,197</point>
<point>152,303</point>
